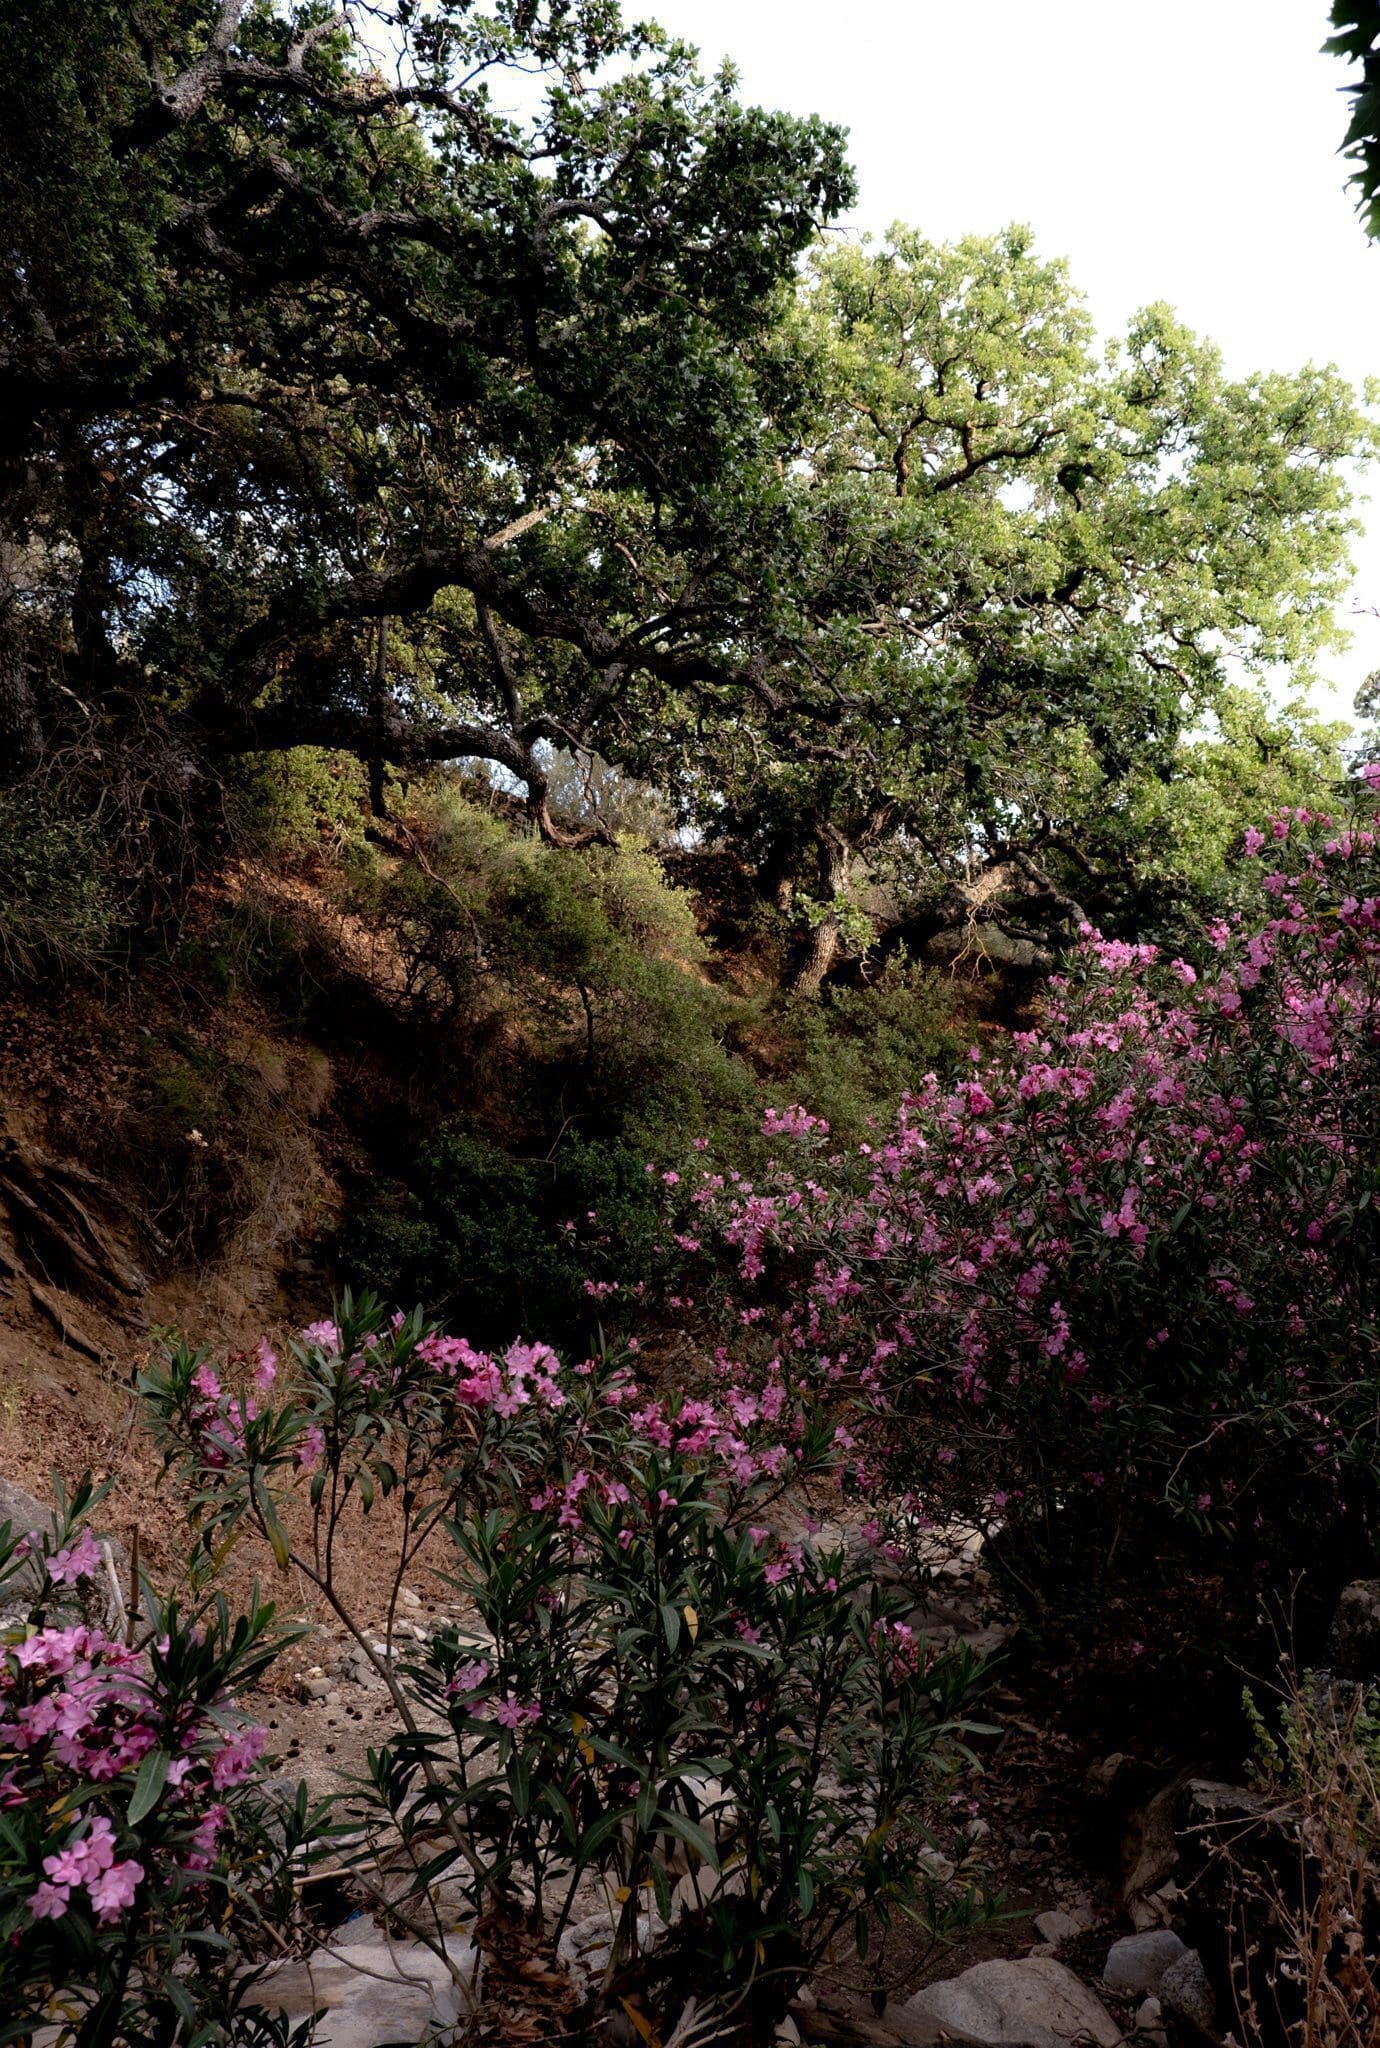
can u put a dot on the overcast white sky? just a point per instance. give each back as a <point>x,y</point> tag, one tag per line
<point>1184,150</point>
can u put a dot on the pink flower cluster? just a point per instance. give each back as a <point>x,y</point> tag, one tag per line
<point>794,1122</point>
<point>525,1374</point>
<point>81,1561</point>
<point>88,1860</point>
<point>899,1649</point>
<point>79,1709</point>
<point>1141,1211</point>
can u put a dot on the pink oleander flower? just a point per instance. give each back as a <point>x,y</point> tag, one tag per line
<point>794,1122</point>
<point>84,1858</point>
<point>207,1382</point>
<point>201,1856</point>
<point>234,1761</point>
<point>511,1713</point>
<point>112,1893</point>
<point>79,1562</point>
<point>311,1446</point>
<point>469,1678</point>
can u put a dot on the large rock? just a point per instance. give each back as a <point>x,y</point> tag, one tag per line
<point>24,1514</point>
<point>1186,1991</point>
<point>375,1991</point>
<point>1213,1813</point>
<point>1136,1963</point>
<point>21,1589</point>
<point>1034,2003</point>
<point>1353,1643</point>
<point>1150,1851</point>
<point>584,1949</point>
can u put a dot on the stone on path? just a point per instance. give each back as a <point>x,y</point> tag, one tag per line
<point>1033,2003</point>
<point>1186,1991</point>
<point>1056,1926</point>
<point>1137,1962</point>
<point>375,1990</point>
<point>584,1949</point>
<point>1149,2023</point>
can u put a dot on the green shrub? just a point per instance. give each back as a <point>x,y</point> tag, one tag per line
<point>591,959</point>
<point>249,947</point>
<point>856,1051</point>
<point>58,907</point>
<point>589,965</point>
<point>508,1243</point>
<point>219,1137</point>
<point>296,802</point>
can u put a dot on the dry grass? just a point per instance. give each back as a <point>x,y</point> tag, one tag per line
<point>1307,1953</point>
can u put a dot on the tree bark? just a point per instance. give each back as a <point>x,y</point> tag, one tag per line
<point>21,731</point>
<point>821,947</point>
<point>808,975</point>
<point>378,788</point>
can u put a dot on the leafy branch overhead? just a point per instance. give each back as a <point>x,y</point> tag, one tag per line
<point>428,385</point>
<point>1356,34</point>
<point>310,348</point>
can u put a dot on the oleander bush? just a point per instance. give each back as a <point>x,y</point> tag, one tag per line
<point>665,1706</point>
<point>1119,1286</point>
<point>137,1869</point>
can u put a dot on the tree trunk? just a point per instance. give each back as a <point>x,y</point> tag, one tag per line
<point>821,947</point>
<point>820,952</point>
<point>21,733</point>
<point>378,781</point>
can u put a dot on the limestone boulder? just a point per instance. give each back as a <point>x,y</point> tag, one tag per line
<point>1031,2003</point>
<point>1137,1962</point>
<point>1353,1643</point>
<point>372,1991</point>
<point>106,1598</point>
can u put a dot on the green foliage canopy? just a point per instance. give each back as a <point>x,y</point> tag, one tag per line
<point>462,389</point>
<point>1039,571</point>
<point>299,331</point>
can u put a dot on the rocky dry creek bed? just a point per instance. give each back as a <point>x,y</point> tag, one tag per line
<point>1087,1952</point>
<point>1113,1932</point>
